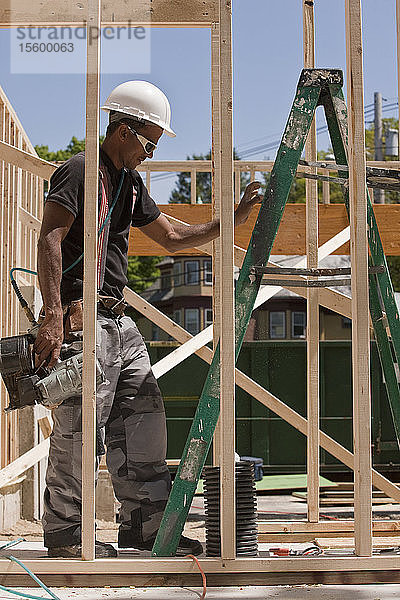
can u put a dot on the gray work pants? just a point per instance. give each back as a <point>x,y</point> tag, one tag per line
<point>131,422</point>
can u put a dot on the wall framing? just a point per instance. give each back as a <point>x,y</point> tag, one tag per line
<point>216,15</point>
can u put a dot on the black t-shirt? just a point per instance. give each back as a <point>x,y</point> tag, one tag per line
<point>134,207</point>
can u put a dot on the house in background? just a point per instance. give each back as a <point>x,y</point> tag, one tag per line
<point>284,316</point>
<point>184,293</point>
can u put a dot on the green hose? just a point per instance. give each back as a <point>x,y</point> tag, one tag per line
<point>36,579</point>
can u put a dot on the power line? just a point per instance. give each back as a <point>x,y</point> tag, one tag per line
<point>246,153</point>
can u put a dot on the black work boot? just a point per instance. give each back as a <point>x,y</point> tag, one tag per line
<point>102,550</point>
<point>186,545</point>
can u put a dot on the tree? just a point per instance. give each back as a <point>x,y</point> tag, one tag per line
<point>142,270</point>
<point>73,148</point>
<point>181,194</point>
<point>297,194</point>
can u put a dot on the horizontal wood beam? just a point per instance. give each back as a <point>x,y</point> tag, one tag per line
<point>156,166</point>
<point>132,566</point>
<point>291,235</point>
<point>24,462</point>
<point>330,576</point>
<point>242,165</point>
<point>26,161</point>
<point>334,526</point>
<point>155,13</point>
<point>304,531</point>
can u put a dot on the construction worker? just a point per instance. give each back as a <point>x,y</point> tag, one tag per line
<point>130,411</point>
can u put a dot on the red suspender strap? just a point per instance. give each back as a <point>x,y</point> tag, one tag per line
<point>103,237</point>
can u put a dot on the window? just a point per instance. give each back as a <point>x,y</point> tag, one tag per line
<point>192,321</point>
<point>346,323</point>
<point>166,280</point>
<point>277,325</point>
<point>207,272</point>
<point>208,317</point>
<point>192,272</point>
<point>177,273</point>
<point>298,325</point>
<point>177,317</point>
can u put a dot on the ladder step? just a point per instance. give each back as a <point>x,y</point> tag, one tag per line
<point>256,270</point>
<point>373,171</point>
<point>310,283</point>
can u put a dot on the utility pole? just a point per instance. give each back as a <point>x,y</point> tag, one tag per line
<point>379,195</point>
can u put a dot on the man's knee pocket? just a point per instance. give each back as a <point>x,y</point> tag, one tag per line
<point>146,437</point>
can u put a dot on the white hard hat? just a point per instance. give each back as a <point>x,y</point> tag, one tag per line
<point>141,100</point>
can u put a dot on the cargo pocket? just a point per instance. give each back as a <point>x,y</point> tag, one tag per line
<point>146,437</point>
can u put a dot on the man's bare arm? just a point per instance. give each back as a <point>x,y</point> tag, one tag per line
<point>56,223</point>
<point>174,237</point>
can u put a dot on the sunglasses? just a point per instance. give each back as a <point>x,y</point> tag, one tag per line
<point>148,145</point>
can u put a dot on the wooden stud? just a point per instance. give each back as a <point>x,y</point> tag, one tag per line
<point>326,191</point>
<point>227,301</point>
<point>2,278</point>
<point>6,328</point>
<point>90,285</point>
<point>359,264</point>
<point>312,336</point>
<point>216,203</point>
<point>193,191</point>
<point>237,178</point>
<point>398,64</point>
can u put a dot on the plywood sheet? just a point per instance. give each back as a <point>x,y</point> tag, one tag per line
<point>291,235</point>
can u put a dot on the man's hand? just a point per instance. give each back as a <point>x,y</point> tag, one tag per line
<point>177,236</point>
<point>249,199</point>
<point>49,339</point>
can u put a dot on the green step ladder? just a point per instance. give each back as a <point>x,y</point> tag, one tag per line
<point>316,87</point>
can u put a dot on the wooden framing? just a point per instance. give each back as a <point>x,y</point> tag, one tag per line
<point>216,203</point>
<point>359,278</point>
<point>22,177</point>
<point>155,13</point>
<point>224,161</point>
<point>21,195</point>
<point>332,218</point>
<point>313,450</point>
<point>398,64</point>
<point>90,285</point>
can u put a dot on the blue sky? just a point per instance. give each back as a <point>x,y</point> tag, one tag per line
<point>267,38</point>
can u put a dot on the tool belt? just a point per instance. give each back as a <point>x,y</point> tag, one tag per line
<point>117,307</point>
<point>73,312</point>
